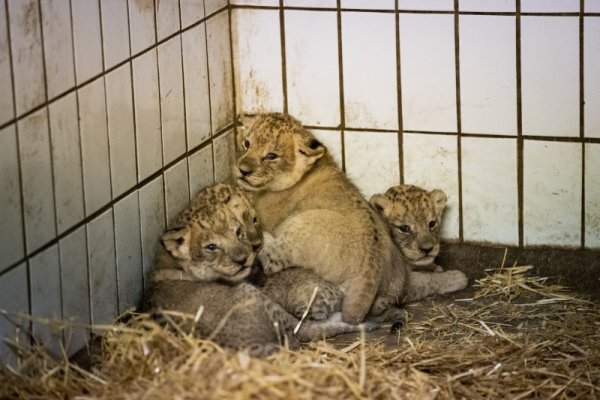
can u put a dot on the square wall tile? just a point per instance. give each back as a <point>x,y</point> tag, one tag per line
<point>428,72</point>
<point>177,191</point>
<point>333,141</point>
<point>66,158</point>
<point>488,81</point>
<point>372,160</point>
<point>45,289</point>
<point>211,6</point>
<point>141,25</point>
<point>58,46</point>
<point>27,59</point>
<point>370,79</point>
<point>257,61</point>
<point>201,169</point>
<point>11,237</point>
<point>220,73</point>
<point>369,4</point>
<point>121,131</point>
<point>591,79</point>
<point>224,155</point>
<point>75,288</point>
<point>87,39</point>
<point>592,195</point>
<point>94,146</point>
<point>170,76</point>
<point>147,114</point>
<point>592,6</point>
<point>6,100</point>
<point>312,67</point>
<point>195,84</point>
<point>550,75</point>
<point>128,245</point>
<point>549,6</point>
<point>192,11</point>
<point>152,222</point>
<point>14,297</point>
<point>102,269</point>
<point>428,5</point>
<point>486,5</point>
<point>431,162</point>
<point>489,190</point>
<point>167,18</point>
<point>36,176</point>
<point>310,3</point>
<point>115,32</point>
<point>552,193</point>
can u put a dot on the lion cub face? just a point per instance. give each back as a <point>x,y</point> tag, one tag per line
<point>414,216</point>
<point>276,153</point>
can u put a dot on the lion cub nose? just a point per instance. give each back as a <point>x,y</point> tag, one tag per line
<point>245,169</point>
<point>426,249</point>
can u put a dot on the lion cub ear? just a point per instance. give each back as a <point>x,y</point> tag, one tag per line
<point>381,204</point>
<point>177,242</point>
<point>439,200</point>
<point>311,148</point>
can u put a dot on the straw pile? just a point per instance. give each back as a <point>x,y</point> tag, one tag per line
<point>516,337</point>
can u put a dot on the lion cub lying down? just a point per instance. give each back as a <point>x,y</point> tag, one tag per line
<point>203,262</point>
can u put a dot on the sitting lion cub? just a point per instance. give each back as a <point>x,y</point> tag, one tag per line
<point>203,261</point>
<point>318,219</point>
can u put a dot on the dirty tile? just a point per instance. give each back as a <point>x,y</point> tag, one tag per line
<point>167,18</point>
<point>102,269</point>
<point>592,194</point>
<point>486,5</point>
<point>311,3</point>
<point>372,161</point>
<point>66,158</point>
<point>201,169</point>
<point>115,32</point>
<point>94,145</point>
<point>177,191</point>
<point>220,74</point>
<point>147,114</point>
<point>224,155</point>
<point>152,222</point>
<point>428,72</point>
<point>257,61</point>
<point>14,297</point>
<point>552,193</point>
<point>129,251</point>
<point>211,6</point>
<point>87,39</point>
<point>27,58</point>
<point>312,67</point>
<point>488,81</point>
<point>192,11</point>
<point>370,83</point>
<point>75,287</point>
<point>195,82</point>
<point>121,132</point>
<point>45,289</point>
<point>550,75</point>
<point>36,175</point>
<point>333,141</point>
<point>549,6</point>
<point>141,25</point>
<point>6,101</point>
<point>489,190</point>
<point>591,79</point>
<point>11,239</point>
<point>58,46</point>
<point>369,4</point>
<point>429,5</point>
<point>430,161</point>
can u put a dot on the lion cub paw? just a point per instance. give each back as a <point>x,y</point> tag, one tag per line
<point>452,281</point>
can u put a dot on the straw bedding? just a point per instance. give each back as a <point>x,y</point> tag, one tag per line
<point>512,336</point>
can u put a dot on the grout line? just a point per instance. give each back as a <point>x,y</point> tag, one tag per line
<point>400,132</point>
<point>342,126</point>
<point>582,114</point>
<point>283,57</point>
<point>185,125</point>
<point>210,110</point>
<point>520,144</point>
<point>458,120</point>
<point>232,65</point>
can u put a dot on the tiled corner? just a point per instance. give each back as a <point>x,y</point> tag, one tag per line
<point>488,79</point>
<point>426,5</point>
<point>431,162</point>
<point>147,114</point>
<point>102,269</point>
<point>192,11</point>
<point>220,73</point>
<point>27,59</point>
<point>11,240</point>
<point>224,155</point>
<point>36,175</point>
<point>333,141</point>
<point>312,67</point>
<point>552,193</point>
<point>257,61</point>
<point>372,160</point>
<point>310,3</point>
<point>201,169</point>
<point>121,130</point>
<point>115,31</point>
<point>489,190</point>
<point>550,75</point>
<point>129,251</point>
<point>94,146</point>
<point>486,5</point>
<point>66,159</point>
<point>167,18</point>
<point>152,222</point>
<point>591,79</point>
<point>6,100</point>
<point>75,288</point>
<point>592,195</point>
<point>87,39</point>
<point>177,191</point>
<point>14,297</point>
<point>549,6</point>
<point>211,6</point>
<point>368,4</point>
<point>370,82</point>
<point>195,83</point>
<point>171,99</point>
<point>428,72</point>
<point>141,25</point>
<point>45,289</point>
<point>58,46</point>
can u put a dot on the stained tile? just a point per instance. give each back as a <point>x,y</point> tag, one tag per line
<point>224,155</point>
<point>428,5</point>
<point>115,32</point>
<point>192,11</point>
<point>14,297</point>
<point>87,39</point>
<point>220,74</point>
<point>333,141</point>
<point>201,169</point>
<point>167,18</point>
<point>592,195</point>
<point>6,100</point>
<point>487,5</point>
<point>177,191</point>
<point>141,25</point>
<point>152,222</point>
<point>591,79</point>
<point>549,6</point>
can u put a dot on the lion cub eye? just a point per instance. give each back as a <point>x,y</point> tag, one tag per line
<point>239,233</point>
<point>246,144</point>
<point>404,228</point>
<point>432,225</point>
<point>271,156</point>
<point>255,220</point>
<point>211,247</point>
